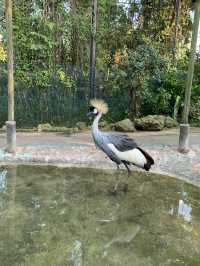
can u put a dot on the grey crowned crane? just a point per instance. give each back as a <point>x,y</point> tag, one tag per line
<point>120,148</point>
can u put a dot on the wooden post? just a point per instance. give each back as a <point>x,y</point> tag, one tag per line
<point>93,50</point>
<point>10,124</point>
<point>184,127</point>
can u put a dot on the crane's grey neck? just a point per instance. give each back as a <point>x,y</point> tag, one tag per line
<point>95,124</point>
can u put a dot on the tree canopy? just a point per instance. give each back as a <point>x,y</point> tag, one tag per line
<point>142,53</point>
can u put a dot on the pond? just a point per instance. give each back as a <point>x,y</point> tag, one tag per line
<point>66,216</point>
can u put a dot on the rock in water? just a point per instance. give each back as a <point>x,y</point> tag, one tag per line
<point>76,257</point>
<point>125,236</point>
<point>3,181</point>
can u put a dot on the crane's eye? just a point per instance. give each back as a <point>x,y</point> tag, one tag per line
<point>95,111</point>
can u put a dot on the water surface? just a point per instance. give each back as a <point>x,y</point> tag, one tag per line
<point>65,216</point>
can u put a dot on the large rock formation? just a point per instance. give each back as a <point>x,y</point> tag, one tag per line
<point>170,122</point>
<point>155,122</point>
<point>82,125</point>
<point>125,125</point>
<point>150,123</point>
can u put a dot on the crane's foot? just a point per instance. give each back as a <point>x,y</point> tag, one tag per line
<point>118,187</point>
<point>113,191</point>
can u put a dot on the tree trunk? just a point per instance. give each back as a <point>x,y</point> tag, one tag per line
<point>76,45</point>
<point>93,50</point>
<point>10,60</point>
<point>191,62</point>
<point>177,4</point>
<point>10,124</point>
<point>132,104</point>
<point>184,127</point>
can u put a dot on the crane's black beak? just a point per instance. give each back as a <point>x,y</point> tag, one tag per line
<point>90,114</point>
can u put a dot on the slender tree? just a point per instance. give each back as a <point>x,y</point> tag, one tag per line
<point>184,127</point>
<point>177,4</point>
<point>93,50</point>
<point>11,126</point>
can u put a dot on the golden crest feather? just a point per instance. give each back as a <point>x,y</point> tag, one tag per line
<point>100,105</point>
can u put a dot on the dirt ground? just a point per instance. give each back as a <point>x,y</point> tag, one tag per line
<point>78,150</point>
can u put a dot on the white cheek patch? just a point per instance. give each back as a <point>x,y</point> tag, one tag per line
<point>134,156</point>
<point>95,111</point>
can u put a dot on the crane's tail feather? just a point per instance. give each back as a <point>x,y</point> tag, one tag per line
<point>150,160</point>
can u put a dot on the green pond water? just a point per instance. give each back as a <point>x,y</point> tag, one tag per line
<point>66,216</point>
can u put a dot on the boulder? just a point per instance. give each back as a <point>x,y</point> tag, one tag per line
<point>150,122</point>
<point>49,128</point>
<point>67,130</point>
<point>170,122</point>
<point>44,127</point>
<point>82,125</point>
<point>125,125</point>
<point>75,130</point>
<point>104,125</point>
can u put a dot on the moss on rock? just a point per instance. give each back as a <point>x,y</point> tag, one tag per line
<point>125,125</point>
<point>151,123</point>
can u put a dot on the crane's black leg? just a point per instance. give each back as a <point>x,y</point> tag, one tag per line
<point>125,187</point>
<point>115,187</point>
<point>129,172</point>
<point>128,169</point>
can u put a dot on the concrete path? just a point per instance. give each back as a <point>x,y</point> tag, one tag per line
<point>78,149</point>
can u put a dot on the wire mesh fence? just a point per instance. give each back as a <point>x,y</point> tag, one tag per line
<point>58,104</point>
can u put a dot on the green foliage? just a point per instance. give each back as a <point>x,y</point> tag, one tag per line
<point>195,110</point>
<point>160,93</point>
<point>135,68</point>
<point>2,53</point>
<point>134,54</point>
<point>195,99</point>
<point>140,64</point>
